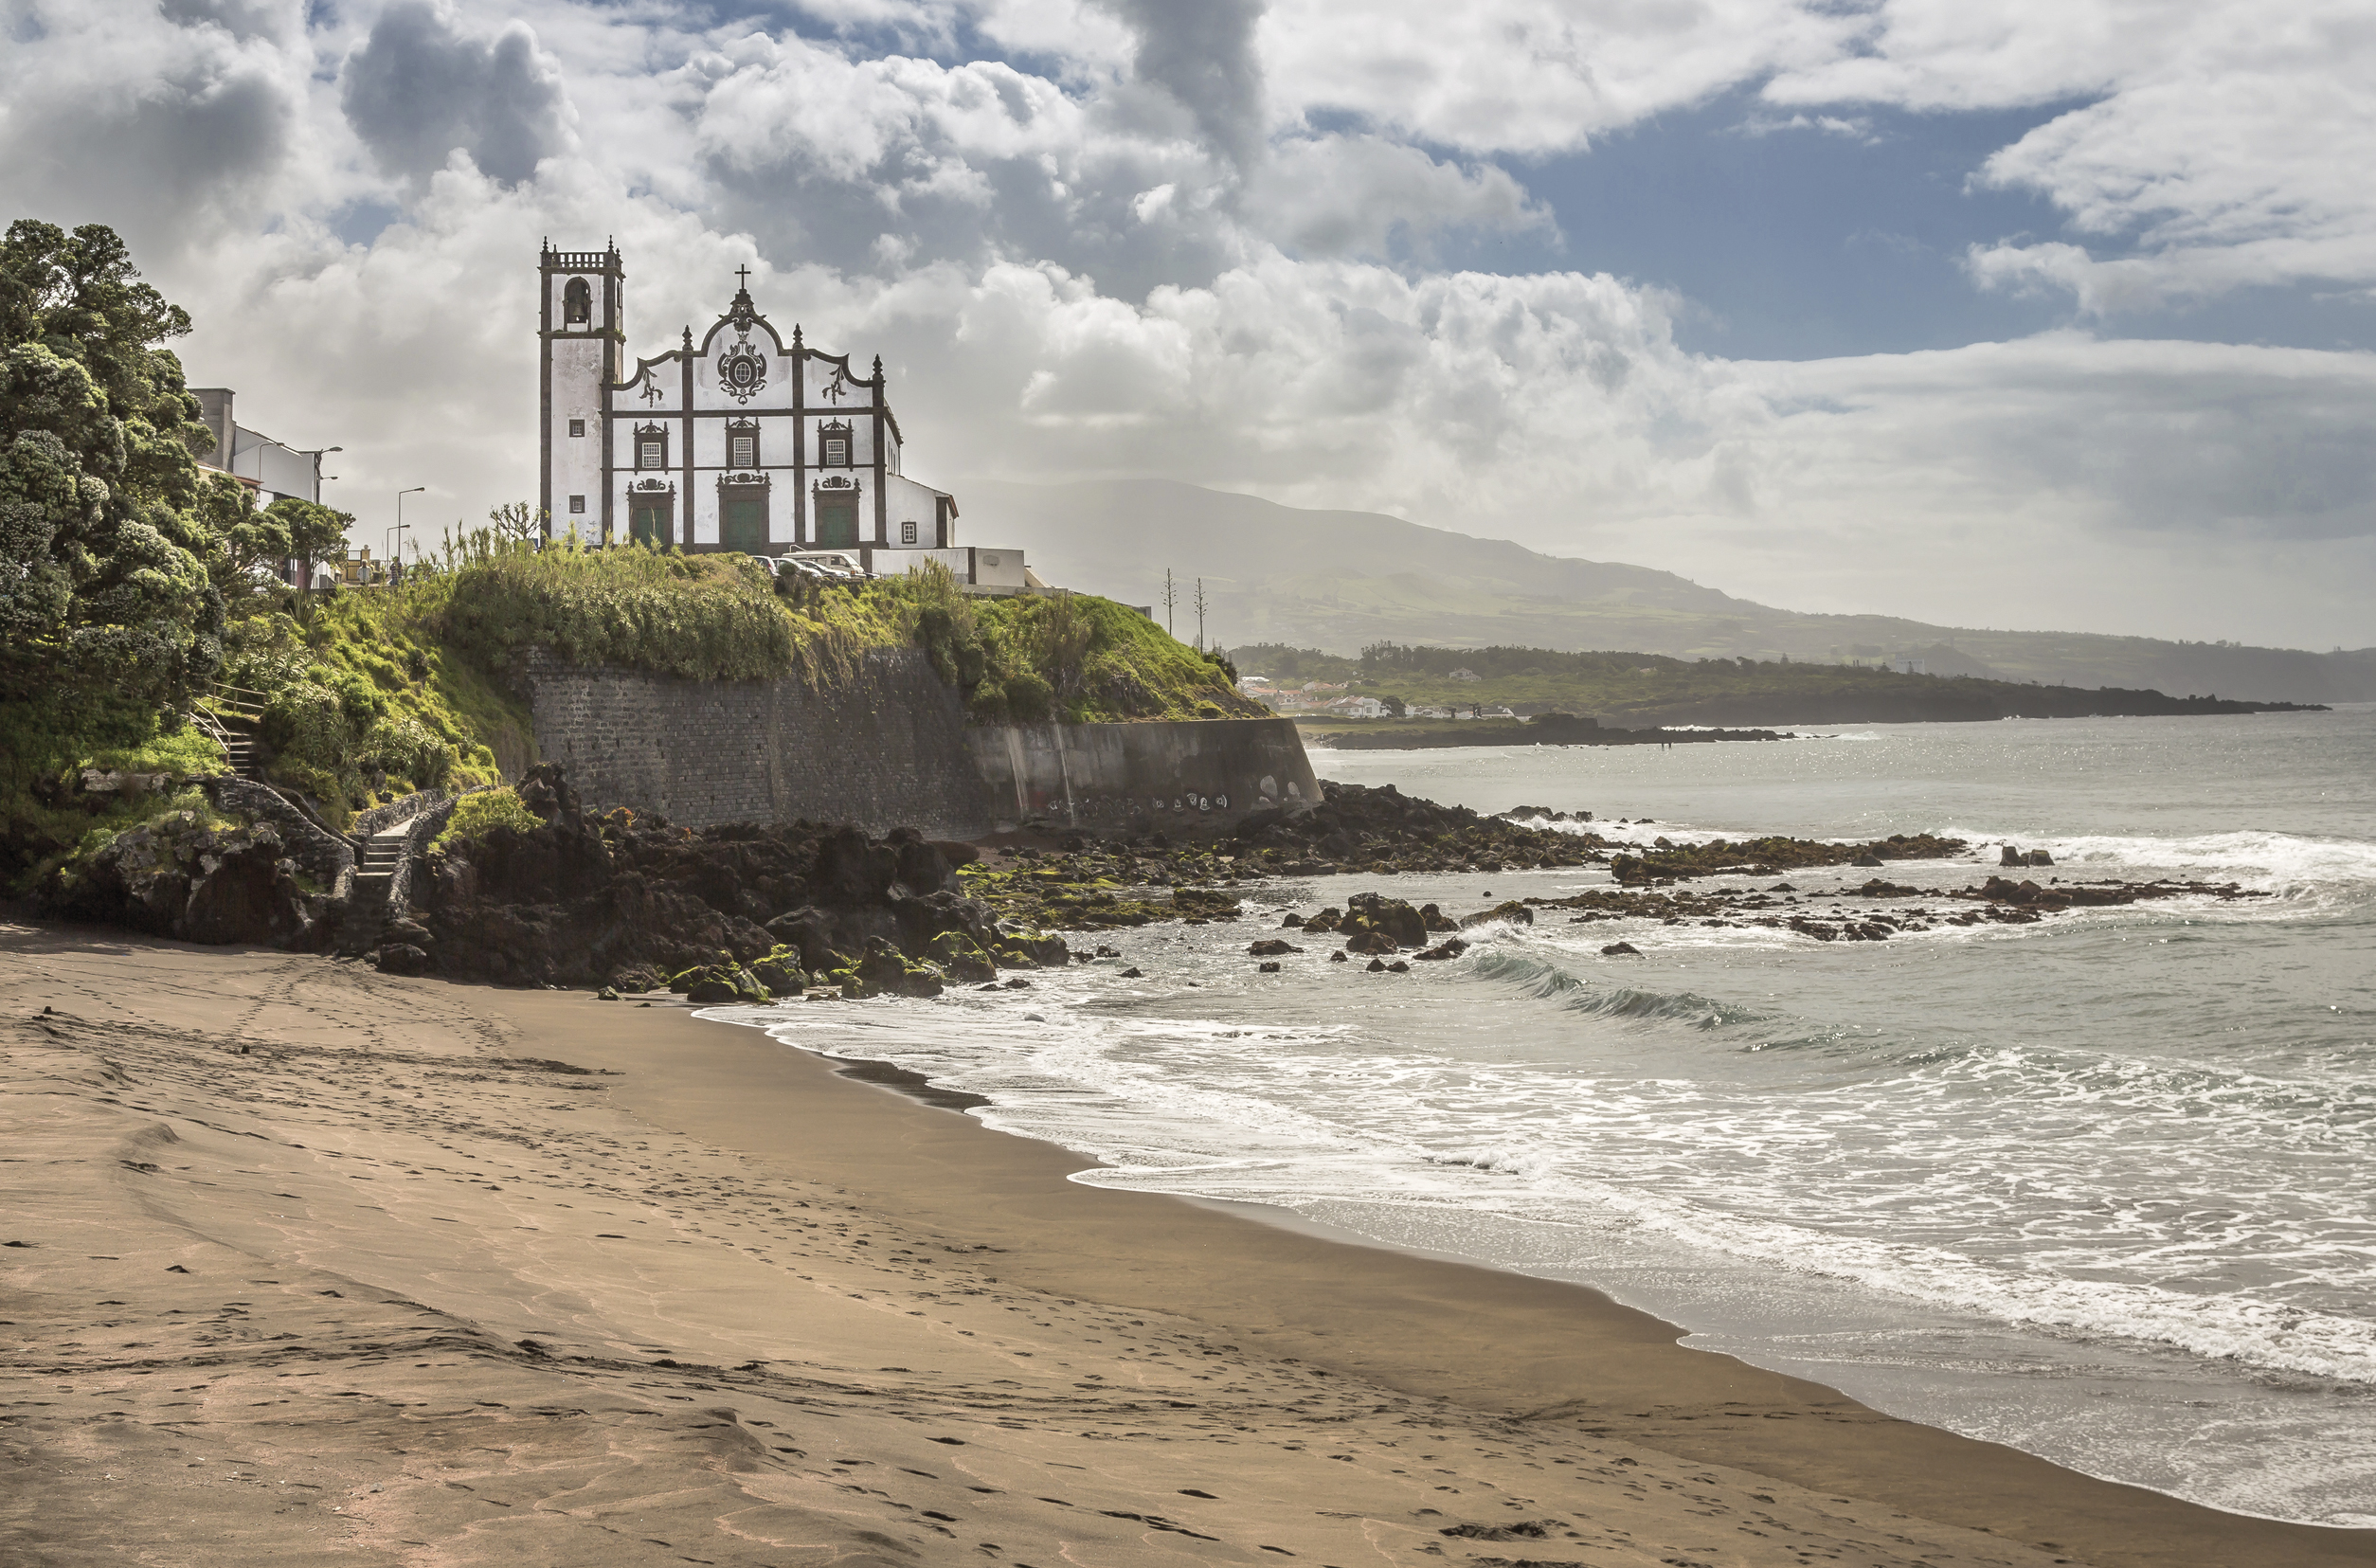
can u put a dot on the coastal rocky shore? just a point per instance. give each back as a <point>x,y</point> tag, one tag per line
<point>633,904</point>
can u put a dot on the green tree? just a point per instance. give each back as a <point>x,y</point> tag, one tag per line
<point>103,549</point>
<point>247,541</point>
<point>316,533</point>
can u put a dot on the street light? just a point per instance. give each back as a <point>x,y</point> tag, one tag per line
<point>399,530</point>
<point>318,454</point>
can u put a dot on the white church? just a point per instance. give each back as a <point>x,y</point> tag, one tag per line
<point>739,442</point>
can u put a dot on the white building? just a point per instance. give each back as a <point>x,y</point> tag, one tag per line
<point>271,469</point>
<point>739,441</point>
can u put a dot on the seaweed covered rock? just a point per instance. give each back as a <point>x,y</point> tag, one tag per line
<point>1381,828</point>
<point>1509,911</point>
<point>1764,857</point>
<point>960,958</point>
<point>1373,914</point>
<point>884,970</point>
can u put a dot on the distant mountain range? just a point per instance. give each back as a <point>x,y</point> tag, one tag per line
<point>1340,581</point>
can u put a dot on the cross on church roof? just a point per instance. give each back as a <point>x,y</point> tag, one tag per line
<point>743,273</point>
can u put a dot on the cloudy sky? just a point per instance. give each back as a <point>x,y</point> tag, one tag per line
<point>2042,313</point>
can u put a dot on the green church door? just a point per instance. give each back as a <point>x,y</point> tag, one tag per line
<point>743,523</point>
<point>836,525</point>
<point>649,522</point>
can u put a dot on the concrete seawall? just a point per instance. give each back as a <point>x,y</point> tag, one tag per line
<point>1128,778</point>
<point>890,749</point>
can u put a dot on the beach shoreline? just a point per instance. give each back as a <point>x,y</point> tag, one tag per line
<point>994,1322</point>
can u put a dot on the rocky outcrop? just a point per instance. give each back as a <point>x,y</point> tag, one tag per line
<point>179,877</point>
<point>588,900</point>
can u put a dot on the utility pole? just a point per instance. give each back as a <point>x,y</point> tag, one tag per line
<point>1199,615</point>
<point>1171,598</point>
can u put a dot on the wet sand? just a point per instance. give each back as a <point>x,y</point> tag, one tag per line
<point>320,1265</point>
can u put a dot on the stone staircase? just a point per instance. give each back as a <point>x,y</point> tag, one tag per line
<point>232,717</point>
<point>376,860</point>
<point>238,750</point>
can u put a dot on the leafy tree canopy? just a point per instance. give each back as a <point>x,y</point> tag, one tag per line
<point>105,543</point>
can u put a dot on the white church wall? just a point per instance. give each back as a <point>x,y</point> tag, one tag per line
<point>577,461</point>
<point>905,502</point>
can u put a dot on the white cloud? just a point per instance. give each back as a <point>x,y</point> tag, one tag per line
<point>1098,259</point>
<point>1531,75</point>
<point>2222,147</point>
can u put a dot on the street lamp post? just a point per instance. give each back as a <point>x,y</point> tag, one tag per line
<point>398,531</point>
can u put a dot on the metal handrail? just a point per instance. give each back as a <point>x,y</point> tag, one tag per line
<point>207,725</point>
<point>239,705</point>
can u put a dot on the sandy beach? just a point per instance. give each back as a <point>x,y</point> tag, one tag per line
<point>305,1264</point>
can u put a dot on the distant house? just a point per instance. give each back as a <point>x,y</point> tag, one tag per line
<point>1466,674</point>
<point>272,469</point>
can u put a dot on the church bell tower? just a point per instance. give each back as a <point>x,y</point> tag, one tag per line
<point>583,333</point>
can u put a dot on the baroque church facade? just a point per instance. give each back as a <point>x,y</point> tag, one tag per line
<point>739,441</point>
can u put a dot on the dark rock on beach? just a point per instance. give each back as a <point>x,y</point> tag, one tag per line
<point>180,876</point>
<point>589,900</point>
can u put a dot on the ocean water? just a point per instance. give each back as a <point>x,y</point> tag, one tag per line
<point>2103,1187</point>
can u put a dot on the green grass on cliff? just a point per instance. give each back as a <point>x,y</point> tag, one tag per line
<point>707,617</point>
<point>364,700</point>
<point>1075,657</point>
<point>46,738</point>
<point>722,617</point>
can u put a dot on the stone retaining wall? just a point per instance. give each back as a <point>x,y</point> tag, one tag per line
<point>424,825</point>
<point>324,855</point>
<point>381,818</point>
<point>885,749</point>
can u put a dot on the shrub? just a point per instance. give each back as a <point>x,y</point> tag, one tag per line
<point>482,811</point>
<point>305,723</point>
<point>404,746</point>
<point>1028,697</point>
<point>708,617</point>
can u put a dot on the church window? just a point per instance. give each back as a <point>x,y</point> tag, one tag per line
<point>742,516</point>
<point>834,445</point>
<point>577,505</point>
<point>742,444</point>
<point>577,303</point>
<point>577,427</point>
<point>651,446</point>
<point>907,533</point>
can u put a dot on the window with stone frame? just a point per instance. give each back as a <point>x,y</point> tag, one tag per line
<point>907,533</point>
<point>742,444</point>
<point>833,445</point>
<point>651,446</point>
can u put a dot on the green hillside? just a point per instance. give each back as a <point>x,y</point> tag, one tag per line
<point>1641,691</point>
<point>1345,580</point>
